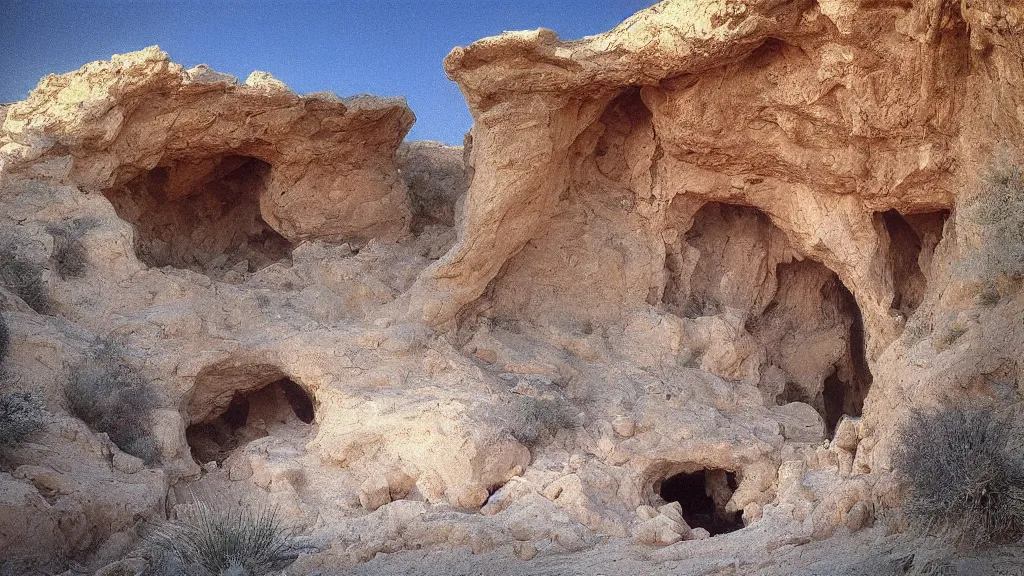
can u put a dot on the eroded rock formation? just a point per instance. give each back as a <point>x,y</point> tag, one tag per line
<point>679,289</point>
<point>211,172</point>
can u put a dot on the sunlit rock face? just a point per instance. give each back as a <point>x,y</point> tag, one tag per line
<point>666,308</point>
<point>206,167</point>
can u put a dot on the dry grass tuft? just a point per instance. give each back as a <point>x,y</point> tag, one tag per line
<point>5,339</point>
<point>998,214</point>
<point>22,276</point>
<point>69,256</point>
<point>964,473</point>
<point>21,415</point>
<point>531,418</point>
<point>207,541</point>
<point>110,396</point>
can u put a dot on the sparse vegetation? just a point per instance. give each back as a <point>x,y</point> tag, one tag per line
<point>23,277</point>
<point>915,330</point>
<point>532,417</point>
<point>69,256</point>
<point>207,541</point>
<point>989,295</point>
<point>998,213</point>
<point>110,396</point>
<point>5,339</point>
<point>964,474</point>
<point>950,335</point>
<point>21,414</point>
<point>262,300</point>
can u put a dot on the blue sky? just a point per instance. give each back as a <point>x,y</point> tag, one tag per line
<point>384,47</point>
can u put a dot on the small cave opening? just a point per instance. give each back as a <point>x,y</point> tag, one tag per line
<point>281,408</point>
<point>703,496</point>
<point>201,214</point>
<point>912,242</point>
<point>844,391</point>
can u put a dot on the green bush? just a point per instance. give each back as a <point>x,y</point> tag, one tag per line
<point>964,474</point>
<point>21,414</point>
<point>69,256</point>
<point>110,396</point>
<point>206,541</point>
<point>531,417</point>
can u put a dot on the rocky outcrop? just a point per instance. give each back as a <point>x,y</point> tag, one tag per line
<point>848,133</point>
<point>212,172</point>
<point>664,104</point>
<point>678,290</point>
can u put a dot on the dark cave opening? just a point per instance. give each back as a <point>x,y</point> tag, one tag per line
<point>279,408</point>
<point>733,260</point>
<point>703,496</point>
<point>845,388</point>
<point>201,214</point>
<point>912,242</point>
<point>845,396</point>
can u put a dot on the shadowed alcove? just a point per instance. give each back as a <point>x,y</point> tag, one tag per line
<point>201,214</point>
<point>703,496</point>
<point>732,261</point>
<point>281,408</point>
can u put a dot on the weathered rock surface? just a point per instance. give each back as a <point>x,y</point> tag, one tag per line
<point>663,314</point>
<point>212,172</point>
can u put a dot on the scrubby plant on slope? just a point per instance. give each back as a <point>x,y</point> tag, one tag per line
<point>964,474</point>
<point>210,541</point>
<point>22,276</point>
<point>997,214</point>
<point>5,339</point>
<point>69,256</point>
<point>110,396</point>
<point>21,414</point>
<point>531,417</point>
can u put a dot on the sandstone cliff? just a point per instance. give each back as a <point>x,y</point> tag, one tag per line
<point>664,312</point>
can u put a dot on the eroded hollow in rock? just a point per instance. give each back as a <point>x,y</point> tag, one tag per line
<point>725,260</point>
<point>814,332</point>
<point>282,408</point>
<point>202,215</point>
<point>732,262</point>
<point>912,242</point>
<point>703,496</point>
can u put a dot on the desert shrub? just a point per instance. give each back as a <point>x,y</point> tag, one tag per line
<point>989,295</point>
<point>998,214</point>
<point>110,396</point>
<point>5,339</point>
<point>530,418</point>
<point>21,414</point>
<point>915,330</point>
<point>950,335</point>
<point>207,541</point>
<point>23,277</point>
<point>964,474</point>
<point>69,256</point>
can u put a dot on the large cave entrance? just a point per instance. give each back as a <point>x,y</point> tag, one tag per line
<point>201,214</point>
<point>282,408</point>
<point>813,330</point>
<point>703,496</point>
<point>732,261</point>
